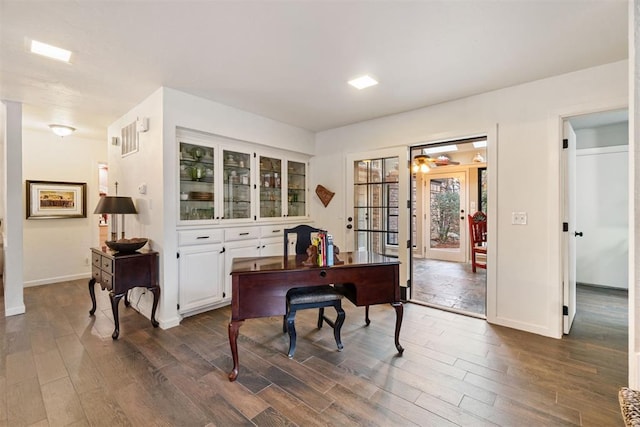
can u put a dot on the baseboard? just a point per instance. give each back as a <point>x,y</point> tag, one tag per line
<point>59,279</point>
<point>14,311</point>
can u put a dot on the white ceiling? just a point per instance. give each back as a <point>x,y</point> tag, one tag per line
<point>290,60</point>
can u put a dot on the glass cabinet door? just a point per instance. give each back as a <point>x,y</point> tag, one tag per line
<point>296,188</point>
<point>197,182</point>
<point>270,184</point>
<point>236,170</point>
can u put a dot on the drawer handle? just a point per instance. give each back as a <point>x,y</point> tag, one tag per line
<point>323,273</point>
<point>244,234</point>
<point>275,231</point>
<point>203,237</point>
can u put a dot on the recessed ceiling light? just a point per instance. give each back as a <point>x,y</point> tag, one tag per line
<point>440,149</point>
<point>363,82</point>
<point>62,130</point>
<point>50,51</point>
<point>480,144</point>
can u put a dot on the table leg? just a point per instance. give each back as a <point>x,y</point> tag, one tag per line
<point>92,294</point>
<point>156,297</point>
<point>399,312</point>
<point>234,327</point>
<point>115,299</point>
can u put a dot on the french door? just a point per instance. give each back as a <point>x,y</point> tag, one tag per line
<point>445,220</point>
<point>376,208</point>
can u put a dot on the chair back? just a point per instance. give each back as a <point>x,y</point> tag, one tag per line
<point>477,228</point>
<point>303,240</point>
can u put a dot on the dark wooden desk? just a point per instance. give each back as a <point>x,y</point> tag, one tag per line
<point>118,272</point>
<point>259,287</point>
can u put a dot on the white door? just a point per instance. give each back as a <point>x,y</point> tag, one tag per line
<point>377,194</point>
<point>445,220</point>
<point>569,220</point>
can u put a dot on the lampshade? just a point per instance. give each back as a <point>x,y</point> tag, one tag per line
<point>115,205</point>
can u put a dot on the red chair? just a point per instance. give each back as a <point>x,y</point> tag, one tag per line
<point>478,239</point>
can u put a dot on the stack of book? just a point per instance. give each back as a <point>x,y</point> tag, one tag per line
<point>324,243</point>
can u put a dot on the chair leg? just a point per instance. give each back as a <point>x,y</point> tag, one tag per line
<point>291,328</point>
<point>473,261</point>
<point>320,317</point>
<point>366,316</point>
<point>338,325</point>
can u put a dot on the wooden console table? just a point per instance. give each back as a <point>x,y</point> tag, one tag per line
<point>118,273</point>
<point>260,285</point>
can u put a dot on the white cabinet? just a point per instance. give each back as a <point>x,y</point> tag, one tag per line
<point>201,268</point>
<point>251,242</point>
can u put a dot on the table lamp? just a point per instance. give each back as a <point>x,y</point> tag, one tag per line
<point>115,205</point>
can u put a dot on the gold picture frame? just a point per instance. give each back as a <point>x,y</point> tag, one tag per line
<point>56,200</point>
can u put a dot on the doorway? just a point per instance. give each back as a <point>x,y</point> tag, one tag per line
<point>449,183</point>
<point>103,185</point>
<point>595,247</point>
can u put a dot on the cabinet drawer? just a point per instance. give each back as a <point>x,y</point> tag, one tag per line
<point>96,273</point>
<point>272,231</point>
<point>200,237</point>
<point>107,265</point>
<point>243,233</point>
<point>107,281</point>
<point>95,259</point>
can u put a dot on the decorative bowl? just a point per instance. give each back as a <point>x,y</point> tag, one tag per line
<point>127,247</point>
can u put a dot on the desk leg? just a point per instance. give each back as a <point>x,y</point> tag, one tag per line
<point>156,297</point>
<point>399,312</point>
<point>234,327</point>
<point>92,294</point>
<point>115,299</point>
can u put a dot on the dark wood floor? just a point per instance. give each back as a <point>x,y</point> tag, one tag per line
<point>60,367</point>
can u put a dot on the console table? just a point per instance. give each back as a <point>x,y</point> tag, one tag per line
<point>260,285</point>
<point>118,273</point>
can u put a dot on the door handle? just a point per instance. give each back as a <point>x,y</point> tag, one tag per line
<point>349,226</point>
<point>578,233</point>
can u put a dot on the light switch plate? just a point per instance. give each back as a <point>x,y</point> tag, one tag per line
<point>519,218</point>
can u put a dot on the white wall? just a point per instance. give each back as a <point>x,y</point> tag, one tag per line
<point>603,136</point>
<point>58,249</point>
<point>634,176</point>
<point>156,165</point>
<point>602,195</point>
<point>525,290</point>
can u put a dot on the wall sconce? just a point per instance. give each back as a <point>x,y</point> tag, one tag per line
<point>62,130</point>
<point>421,163</point>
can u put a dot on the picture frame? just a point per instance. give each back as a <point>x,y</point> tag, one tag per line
<point>56,199</point>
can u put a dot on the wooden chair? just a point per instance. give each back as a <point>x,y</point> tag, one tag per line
<point>310,297</point>
<point>478,239</point>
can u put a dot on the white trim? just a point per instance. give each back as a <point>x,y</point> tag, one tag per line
<point>58,279</point>
<point>602,150</point>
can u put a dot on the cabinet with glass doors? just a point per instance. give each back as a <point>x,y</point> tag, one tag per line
<point>236,170</point>
<point>197,182</point>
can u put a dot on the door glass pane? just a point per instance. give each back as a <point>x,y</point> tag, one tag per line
<point>375,170</point>
<point>445,210</point>
<point>197,184</point>
<point>270,187</point>
<point>236,180</point>
<point>296,188</point>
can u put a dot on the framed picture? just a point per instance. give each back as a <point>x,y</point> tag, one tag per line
<point>51,199</point>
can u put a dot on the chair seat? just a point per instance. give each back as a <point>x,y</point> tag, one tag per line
<point>313,295</point>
